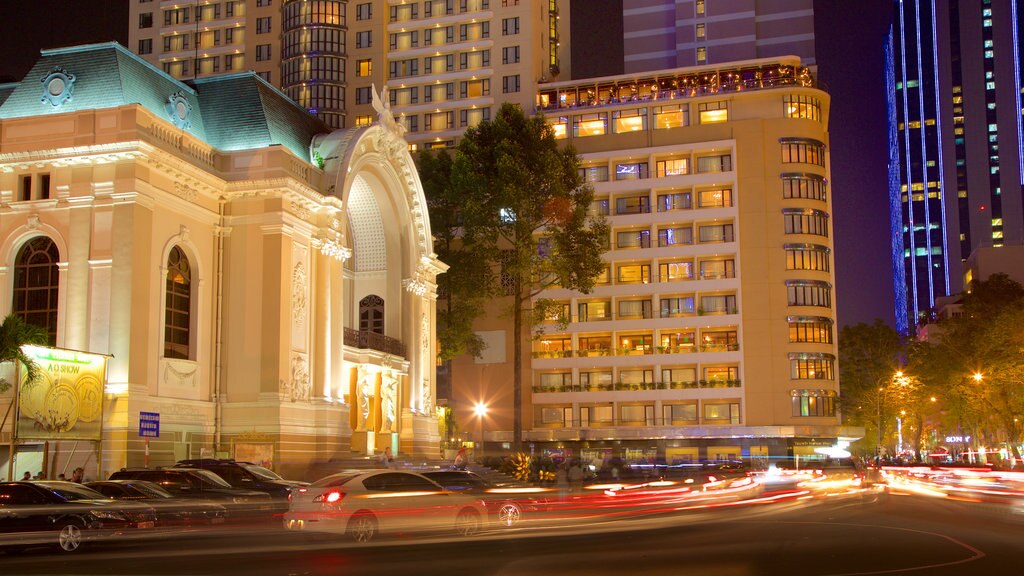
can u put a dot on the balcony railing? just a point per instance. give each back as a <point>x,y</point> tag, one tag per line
<point>682,349</point>
<point>620,386</point>
<point>365,339</point>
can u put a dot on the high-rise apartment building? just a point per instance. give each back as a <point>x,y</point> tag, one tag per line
<point>662,34</point>
<point>447,63</point>
<point>955,142</point>
<point>711,335</point>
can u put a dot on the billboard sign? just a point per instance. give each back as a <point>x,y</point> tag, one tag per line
<point>149,424</point>
<point>66,402</point>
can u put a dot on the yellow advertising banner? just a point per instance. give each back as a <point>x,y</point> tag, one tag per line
<point>66,402</point>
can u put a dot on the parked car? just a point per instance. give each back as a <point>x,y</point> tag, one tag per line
<point>170,510</point>
<point>64,514</point>
<point>194,483</point>
<point>363,504</point>
<point>246,475</point>
<point>506,506</point>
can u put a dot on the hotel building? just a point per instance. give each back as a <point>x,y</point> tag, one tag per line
<point>956,164</point>
<point>711,335</point>
<point>263,284</point>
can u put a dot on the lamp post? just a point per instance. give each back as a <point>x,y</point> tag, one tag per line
<point>480,409</point>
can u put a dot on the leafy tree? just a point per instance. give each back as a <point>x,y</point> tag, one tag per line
<point>15,333</point>
<point>463,290</point>
<point>524,210</point>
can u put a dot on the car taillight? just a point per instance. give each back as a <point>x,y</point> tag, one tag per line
<point>331,497</point>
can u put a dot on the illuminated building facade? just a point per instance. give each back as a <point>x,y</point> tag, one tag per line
<point>955,137</point>
<point>447,63</point>
<point>262,283</point>
<point>711,334</point>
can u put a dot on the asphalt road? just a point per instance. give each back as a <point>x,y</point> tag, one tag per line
<point>861,534</point>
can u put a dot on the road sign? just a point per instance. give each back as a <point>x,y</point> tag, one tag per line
<point>149,424</point>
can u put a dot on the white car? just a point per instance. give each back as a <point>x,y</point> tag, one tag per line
<point>362,504</point>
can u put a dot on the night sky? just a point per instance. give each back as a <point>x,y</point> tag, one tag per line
<point>849,38</point>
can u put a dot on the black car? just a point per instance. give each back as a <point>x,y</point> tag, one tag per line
<point>194,483</point>
<point>506,506</point>
<point>64,514</point>
<point>170,509</point>
<point>246,475</point>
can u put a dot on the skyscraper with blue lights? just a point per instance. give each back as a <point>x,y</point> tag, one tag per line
<point>955,142</point>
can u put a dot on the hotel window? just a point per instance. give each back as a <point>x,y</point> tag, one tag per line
<point>800,106</point>
<point>595,379</point>
<point>439,64</point>
<point>714,198</point>
<point>633,171</point>
<point>598,207</point>
<point>701,30</point>
<point>635,309</point>
<point>594,173</point>
<point>363,95</point>
<point>364,67</point>
<point>475,60</point>
<point>262,52</point>
<point>702,55</point>
<point>810,366</point>
<point>677,236</point>
<point>36,285</point>
<point>364,11</point>
<point>439,36</point>
<point>146,20</point>
<point>803,186</point>
<point>674,201</point>
<point>261,3</point>
<point>412,123</point>
<point>722,413</point>
<point>263,25</point>
<point>404,96</point>
<point>715,233</point>
<point>365,120</point>
<point>510,26</point>
<point>679,413</point>
<point>809,293</point>
<point>404,40</point>
<point>633,274</point>
<point>473,117</point>
<point>403,68</point>
<point>805,221</point>
<point>807,257</point>
<point>718,163</point>
<point>364,39</point>
<point>404,12</point>
<point>510,55</point>
<point>510,84</point>
<point>717,269</point>
<point>672,116</point>
<point>633,205</point>
<point>436,8</point>
<point>673,167</point>
<point>591,311</point>
<point>624,121</point>
<point>146,46</point>
<point>556,380</point>
<point>633,239</point>
<point>176,16</point>
<point>675,271</point>
<point>439,92</point>
<point>439,121</point>
<point>813,403</point>
<point>699,7</point>
<point>178,306</point>
<point>720,304</point>
<point>673,307</point>
<point>811,329</point>
<point>268,76</point>
<point>678,340</point>
<point>475,31</point>
<point>475,88</point>
<point>804,151</point>
<point>713,112</point>
<point>590,124</point>
<point>560,127</point>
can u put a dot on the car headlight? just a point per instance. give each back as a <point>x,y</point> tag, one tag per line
<point>109,515</point>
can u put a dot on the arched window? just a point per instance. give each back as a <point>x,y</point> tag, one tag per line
<point>36,285</point>
<point>178,307</point>
<point>371,314</point>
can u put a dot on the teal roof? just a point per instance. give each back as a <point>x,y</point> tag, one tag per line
<point>231,112</point>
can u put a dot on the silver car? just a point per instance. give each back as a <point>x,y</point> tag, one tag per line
<point>364,504</point>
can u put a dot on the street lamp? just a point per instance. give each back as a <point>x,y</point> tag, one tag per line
<point>480,410</point>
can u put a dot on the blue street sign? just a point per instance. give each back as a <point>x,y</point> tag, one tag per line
<point>149,424</point>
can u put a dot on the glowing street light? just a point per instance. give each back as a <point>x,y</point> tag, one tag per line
<point>978,377</point>
<point>480,410</point>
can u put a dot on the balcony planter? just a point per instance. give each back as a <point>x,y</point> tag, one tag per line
<point>703,383</point>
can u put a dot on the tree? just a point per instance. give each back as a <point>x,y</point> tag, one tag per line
<point>524,209</point>
<point>15,333</point>
<point>463,290</point>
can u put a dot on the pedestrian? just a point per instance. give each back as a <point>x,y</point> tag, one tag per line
<point>61,477</point>
<point>386,458</point>
<point>40,476</point>
<point>26,477</point>
<point>78,475</point>
<point>460,459</point>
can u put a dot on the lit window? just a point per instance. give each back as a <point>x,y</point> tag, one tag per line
<point>364,67</point>
<point>36,284</point>
<point>700,7</point>
<point>701,31</point>
<point>364,120</point>
<point>713,112</point>
<point>702,55</point>
<point>178,306</point>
